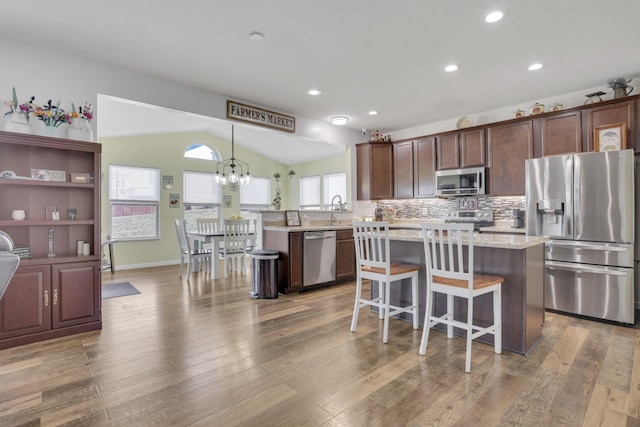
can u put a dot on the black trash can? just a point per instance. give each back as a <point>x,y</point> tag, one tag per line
<point>264,264</point>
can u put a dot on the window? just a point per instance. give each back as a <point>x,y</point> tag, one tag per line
<point>334,184</point>
<point>256,195</point>
<point>310,192</point>
<point>199,150</point>
<point>201,197</point>
<point>134,194</point>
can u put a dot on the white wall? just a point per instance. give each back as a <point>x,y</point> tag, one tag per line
<point>49,74</point>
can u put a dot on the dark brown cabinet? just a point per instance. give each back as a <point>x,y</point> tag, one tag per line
<point>345,255</point>
<point>462,149</point>
<point>414,168</point>
<point>25,307</point>
<point>509,145</point>
<point>374,171</point>
<point>448,151</point>
<point>618,112</point>
<point>75,294</point>
<point>50,296</point>
<point>44,301</point>
<point>558,134</point>
<point>290,262</point>
<point>472,148</point>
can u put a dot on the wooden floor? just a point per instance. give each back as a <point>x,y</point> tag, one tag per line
<point>186,353</point>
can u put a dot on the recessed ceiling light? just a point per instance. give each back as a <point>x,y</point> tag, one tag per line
<point>339,120</point>
<point>534,67</point>
<point>373,112</point>
<point>493,17</point>
<point>256,37</point>
<point>314,92</point>
<point>450,68</point>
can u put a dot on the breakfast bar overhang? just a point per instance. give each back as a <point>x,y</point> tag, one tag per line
<point>517,258</point>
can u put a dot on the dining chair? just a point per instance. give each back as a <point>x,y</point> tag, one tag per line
<point>448,247</point>
<point>236,232</point>
<point>373,262</point>
<point>207,225</point>
<point>186,252</point>
<point>251,238</point>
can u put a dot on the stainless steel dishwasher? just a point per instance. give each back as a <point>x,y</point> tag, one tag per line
<point>319,261</point>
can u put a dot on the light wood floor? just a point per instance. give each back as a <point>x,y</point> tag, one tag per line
<point>206,354</point>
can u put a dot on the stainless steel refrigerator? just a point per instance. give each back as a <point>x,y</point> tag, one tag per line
<point>585,203</point>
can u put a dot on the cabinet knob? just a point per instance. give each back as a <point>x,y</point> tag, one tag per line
<point>55,297</point>
<point>46,298</point>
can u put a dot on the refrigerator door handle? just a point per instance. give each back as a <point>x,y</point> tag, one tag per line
<point>583,246</point>
<point>579,268</point>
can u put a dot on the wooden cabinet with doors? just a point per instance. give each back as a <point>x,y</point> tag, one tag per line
<point>47,301</point>
<point>345,255</point>
<point>462,149</point>
<point>557,134</point>
<point>55,292</point>
<point>290,246</point>
<point>374,171</point>
<point>610,113</point>
<point>509,145</point>
<point>414,168</point>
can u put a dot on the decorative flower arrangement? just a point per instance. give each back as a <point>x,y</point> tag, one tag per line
<point>18,108</point>
<point>51,115</point>
<point>85,113</point>
<point>618,83</point>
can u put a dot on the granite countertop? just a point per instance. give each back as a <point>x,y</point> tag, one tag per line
<point>410,232</point>
<point>486,240</point>
<point>311,227</point>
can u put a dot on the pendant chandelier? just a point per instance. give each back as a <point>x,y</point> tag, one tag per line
<point>234,167</point>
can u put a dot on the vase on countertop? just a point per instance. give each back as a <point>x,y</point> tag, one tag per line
<point>80,130</point>
<point>16,122</point>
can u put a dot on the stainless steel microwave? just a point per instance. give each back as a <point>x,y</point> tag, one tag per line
<point>460,182</point>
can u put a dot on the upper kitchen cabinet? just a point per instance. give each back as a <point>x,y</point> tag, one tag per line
<point>612,112</point>
<point>374,169</point>
<point>414,168</point>
<point>509,145</point>
<point>558,134</point>
<point>462,149</point>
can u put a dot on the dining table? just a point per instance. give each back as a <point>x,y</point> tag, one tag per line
<point>201,238</point>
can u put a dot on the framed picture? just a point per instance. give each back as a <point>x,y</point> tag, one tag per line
<point>292,217</point>
<point>48,211</point>
<point>610,137</point>
<point>55,216</point>
<point>167,182</point>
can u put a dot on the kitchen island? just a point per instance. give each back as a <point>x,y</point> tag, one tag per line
<point>517,258</point>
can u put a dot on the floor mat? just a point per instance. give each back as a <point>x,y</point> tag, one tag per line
<point>114,290</point>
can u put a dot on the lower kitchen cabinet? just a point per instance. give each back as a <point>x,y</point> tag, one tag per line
<point>50,301</point>
<point>291,261</point>
<point>345,255</point>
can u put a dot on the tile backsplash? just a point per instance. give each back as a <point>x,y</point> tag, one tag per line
<point>436,207</point>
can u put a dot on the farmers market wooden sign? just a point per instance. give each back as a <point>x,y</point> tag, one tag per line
<point>259,116</point>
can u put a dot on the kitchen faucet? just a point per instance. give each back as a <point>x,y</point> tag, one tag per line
<point>333,216</point>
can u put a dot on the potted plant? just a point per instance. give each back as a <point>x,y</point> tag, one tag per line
<point>277,200</point>
<point>620,86</point>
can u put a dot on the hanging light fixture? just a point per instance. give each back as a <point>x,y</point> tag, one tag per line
<point>234,166</point>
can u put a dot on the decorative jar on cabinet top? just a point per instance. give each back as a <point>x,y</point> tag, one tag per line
<point>536,108</point>
<point>16,122</point>
<point>80,129</point>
